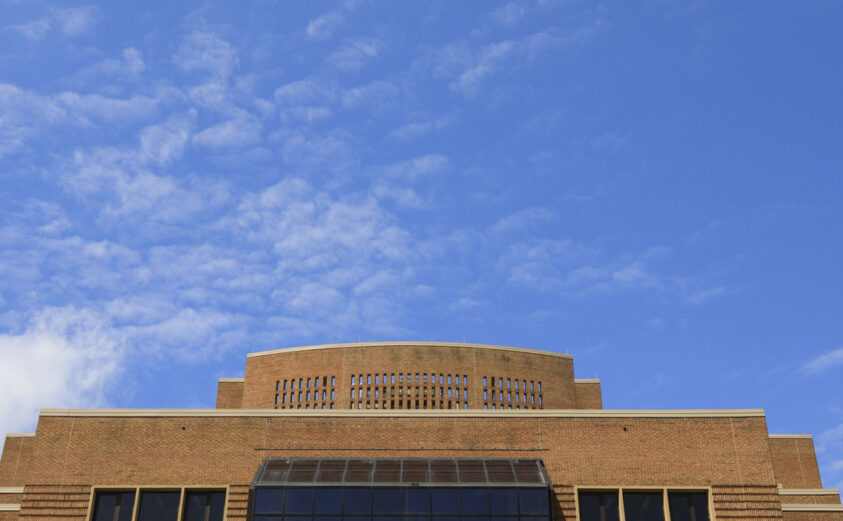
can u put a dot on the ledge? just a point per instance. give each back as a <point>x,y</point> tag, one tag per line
<point>9,507</point>
<point>406,344</point>
<point>809,492</point>
<point>789,436</point>
<point>11,490</point>
<point>392,413</point>
<point>811,508</point>
<point>586,380</point>
<point>231,380</point>
<point>20,435</point>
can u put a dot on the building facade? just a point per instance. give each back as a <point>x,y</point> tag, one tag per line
<point>410,432</point>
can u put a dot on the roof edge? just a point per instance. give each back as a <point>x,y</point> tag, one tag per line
<point>20,434</point>
<point>231,380</point>
<point>808,492</point>
<point>428,413</point>
<point>586,380</point>
<point>774,436</point>
<point>407,344</point>
<point>809,507</point>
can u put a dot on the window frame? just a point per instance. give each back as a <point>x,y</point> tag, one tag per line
<point>181,489</point>
<point>664,490</point>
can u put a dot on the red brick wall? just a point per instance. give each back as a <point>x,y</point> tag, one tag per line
<point>14,463</point>
<point>555,373</point>
<point>74,453</point>
<point>588,395</point>
<point>795,462</point>
<point>229,395</point>
<point>812,499</point>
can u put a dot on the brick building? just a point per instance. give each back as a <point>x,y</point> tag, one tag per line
<point>412,431</point>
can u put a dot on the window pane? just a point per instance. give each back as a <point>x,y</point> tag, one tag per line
<point>387,518</point>
<point>327,500</point>
<point>159,506</point>
<point>444,500</point>
<point>268,500</point>
<point>599,506</point>
<point>416,501</point>
<point>643,506</point>
<point>114,505</point>
<point>688,506</point>
<point>475,501</point>
<point>267,518</point>
<point>299,501</point>
<point>534,501</point>
<point>503,501</point>
<point>386,501</point>
<point>357,501</point>
<point>326,518</point>
<point>204,506</point>
<point>504,518</point>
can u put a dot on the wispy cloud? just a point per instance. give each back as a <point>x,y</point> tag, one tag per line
<point>823,363</point>
<point>325,25</point>
<point>353,55</point>
<point>205,51</point>
<point>68,22</point>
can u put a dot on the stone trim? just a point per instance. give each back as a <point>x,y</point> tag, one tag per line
<point>411,344</point>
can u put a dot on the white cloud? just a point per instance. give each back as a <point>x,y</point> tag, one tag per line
<point>303,92</point>
<point>703,295</point>
<point>232,133</point>
<point>354,55</point>
<point>417,168</point>
<point>522,219</point>
<point>165,142</point>
<point>70,22</point>
<point>206,52</point>
<point>379,92</point>
<point>420,128</point>
<point>509,13</point>
<point>73,21</point>
<point>823,363</point>
<point>65,357</point>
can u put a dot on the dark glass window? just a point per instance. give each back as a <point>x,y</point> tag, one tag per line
<point>327,500</point>
<point>474,501</point>
<point>204,506</point>
<point>159,506</point>
<point>643,506</point>
<point>444,501</point>
<point>299,501</point>
<point>357,501</point>
<point>269,500</point>
<point>114,506</point>
<point>688,506</point>
<point>503,501</point>
<point>599,506</point>
<point>534,501</point>
<point>386,501</point>
<point>416,501</point>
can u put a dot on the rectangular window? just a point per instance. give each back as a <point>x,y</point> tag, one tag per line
<point>508,383</point>
<point>158,506</point>
<point>599,506</point>
<point>352,379</point>
<point>316,382</point>
<point>292,384</point>
<point>114,506</point>
<point>332,395</point>
<point>285,385</point>
<point>368,379</point>
<point>204,506</point>
<point>516,385</point>
<point>686,506</point>
<point>643,506</point>
<point>484,381</point>
<point>333,381</point>
<point>464,380</point>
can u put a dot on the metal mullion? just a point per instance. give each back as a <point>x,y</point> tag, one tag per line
<point>666,505</point>
<point>179,513</point>
<point>136,506</point>
<point>621,509</point>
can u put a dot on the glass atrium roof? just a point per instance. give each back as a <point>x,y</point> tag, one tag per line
<point>403,472</point>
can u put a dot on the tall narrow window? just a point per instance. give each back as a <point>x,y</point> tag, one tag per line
<point>688,506</point>
<point>643,506</point>
<point>333,380</point>
<point>204,506</point>
<point>158,506</point>
<point>114,506</point>
<point>599,506</point>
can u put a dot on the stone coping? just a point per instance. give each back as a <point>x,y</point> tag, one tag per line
<point>774,436</point>
<point>405,344</point>
<point>422,413</point>
<point>799,507</point>
<point>809,492</point>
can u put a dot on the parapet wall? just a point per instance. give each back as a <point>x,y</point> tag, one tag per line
<point>410,376</point>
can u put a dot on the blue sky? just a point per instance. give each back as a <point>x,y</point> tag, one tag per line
<point>653,187</point>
